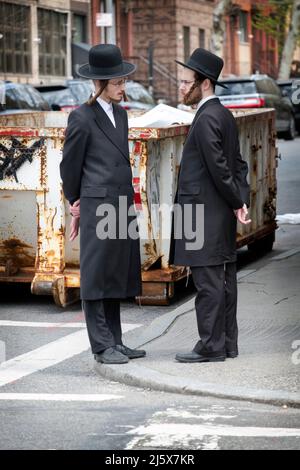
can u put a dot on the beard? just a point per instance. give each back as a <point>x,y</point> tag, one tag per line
<point>193,96</point>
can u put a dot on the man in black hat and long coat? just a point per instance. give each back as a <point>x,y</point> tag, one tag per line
<point>97,179</point>
<point>212,174</point>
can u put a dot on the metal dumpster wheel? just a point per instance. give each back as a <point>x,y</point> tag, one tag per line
<point>263,245</point>
<point>156,293</point>
<point>62,295</point>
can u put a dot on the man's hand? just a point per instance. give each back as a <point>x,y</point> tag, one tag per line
<point>74,227</point>
<point>75,209</point>
<point>241,215</point>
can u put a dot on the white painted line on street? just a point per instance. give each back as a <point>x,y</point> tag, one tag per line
<point>286,254</point>
<point>169,434</point>
<point>244,273</point>
<point>35,324</point>
<point>48,355</point>
<point>57,397</point>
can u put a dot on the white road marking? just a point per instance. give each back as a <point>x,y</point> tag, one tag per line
<point>58,397</point>
<point>244,273</point>
<point>171,434</point>
<point>188,415</point>
<point>285,254</point>
<point>163,431</point>
<point>200,430</point>
<point>48,355</point>
<point>35,324</point>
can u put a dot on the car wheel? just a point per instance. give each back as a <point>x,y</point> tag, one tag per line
<point>291,133</point>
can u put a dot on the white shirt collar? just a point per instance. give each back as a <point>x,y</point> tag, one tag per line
<point>201,103</point>
<point>108,109</point>
<point>105,105</point>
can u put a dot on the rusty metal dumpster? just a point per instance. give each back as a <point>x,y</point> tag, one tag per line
<point>156,155</point>
<point>34,217</point>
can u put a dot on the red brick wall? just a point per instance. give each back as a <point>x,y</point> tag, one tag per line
<point>162,21</point>
<point>197,15</point>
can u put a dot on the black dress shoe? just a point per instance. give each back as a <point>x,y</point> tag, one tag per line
<point>130,353</point>
<point>232,354</point>
<point>111,356</point>
<point>195,357</point>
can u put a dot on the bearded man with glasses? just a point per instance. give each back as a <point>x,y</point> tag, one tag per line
<point>212,175</point>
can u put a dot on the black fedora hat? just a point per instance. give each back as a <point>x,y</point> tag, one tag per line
<point>206,63</point>
<point>105,62</point>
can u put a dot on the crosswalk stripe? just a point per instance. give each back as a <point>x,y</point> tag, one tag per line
<point>35,324</point>
<point>58,397</point>
<point>48,355</point>
<point>169,434</point>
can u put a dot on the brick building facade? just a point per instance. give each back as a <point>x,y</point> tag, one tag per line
<point>172,29</point>
<point>164,30</point>
<point>36,38</point>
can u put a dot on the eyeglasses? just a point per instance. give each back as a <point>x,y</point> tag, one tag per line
<point>186,82</point>
<point>119,82</point>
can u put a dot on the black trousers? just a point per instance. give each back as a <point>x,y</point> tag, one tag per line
<point>103,323</point>
<point>216,308</point>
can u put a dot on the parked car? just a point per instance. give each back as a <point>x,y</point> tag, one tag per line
<point>67,96</point>
<point>289,88</point>
<point>138,98</point>
<point>259,91</point>
<point>20,98</point>
<point>75,92</point>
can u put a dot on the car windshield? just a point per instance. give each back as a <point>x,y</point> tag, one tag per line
<point>10,101</point>
<point>81,91</point>
<point>136,92</point>
<point>17,97</point>
<point>61,97</point>
<point>237,88</point>
<point>37,98</point>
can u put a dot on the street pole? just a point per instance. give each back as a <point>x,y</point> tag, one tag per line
<point>150,67</point>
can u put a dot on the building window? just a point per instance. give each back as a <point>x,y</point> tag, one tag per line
<point>15,47</point>
<point>186,42</point>
<point>79,28</point>
<point>52,30</point>
<point>202,38</point>
<point>243,26</point>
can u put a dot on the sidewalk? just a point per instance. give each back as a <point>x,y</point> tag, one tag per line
<point>268,368</point>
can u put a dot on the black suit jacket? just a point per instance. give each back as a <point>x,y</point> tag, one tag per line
<point>212,174</point>
<point>96,168</point>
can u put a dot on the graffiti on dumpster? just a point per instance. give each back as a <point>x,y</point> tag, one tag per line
<point>15,156</point>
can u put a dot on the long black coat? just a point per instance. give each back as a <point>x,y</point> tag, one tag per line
<point>96,168</point>
<point>212,173</point>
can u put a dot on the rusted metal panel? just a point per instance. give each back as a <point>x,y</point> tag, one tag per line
<point>157,154</point>
<point>18,238</point>
<point>35,219</point>
<point>32,215</point>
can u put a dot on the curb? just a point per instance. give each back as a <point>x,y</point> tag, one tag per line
<point>143,377</point>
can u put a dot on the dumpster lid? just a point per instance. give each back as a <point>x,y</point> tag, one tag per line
<point>162,115</point>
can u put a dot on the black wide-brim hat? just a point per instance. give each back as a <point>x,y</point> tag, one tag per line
<point>105,62</point>
<point>206,63</point>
